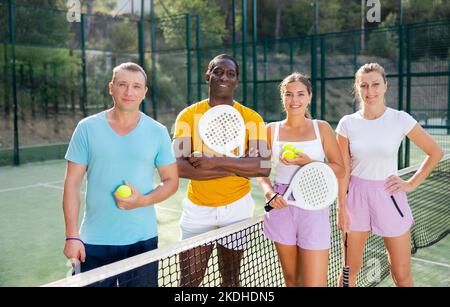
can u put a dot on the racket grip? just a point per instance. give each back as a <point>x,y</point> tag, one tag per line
<point>267,207</point>
<point>345,277</point>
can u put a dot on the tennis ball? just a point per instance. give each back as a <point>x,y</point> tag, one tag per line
<point>124,191</point>
<point>196,154</point>
<point>288,146</point>
<point>288,154</point>
<point>298,150</point>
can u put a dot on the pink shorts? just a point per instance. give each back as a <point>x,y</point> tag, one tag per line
<point>307,229</point>
<point>373,209</point>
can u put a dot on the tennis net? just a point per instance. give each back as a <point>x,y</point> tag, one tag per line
<point>255,262</point>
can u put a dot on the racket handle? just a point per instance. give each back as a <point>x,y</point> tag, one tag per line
<point>345,276</point>
<point>346,269</point>
<point>267,207</point>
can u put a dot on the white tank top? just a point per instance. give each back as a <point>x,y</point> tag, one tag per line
<point>313,148</point>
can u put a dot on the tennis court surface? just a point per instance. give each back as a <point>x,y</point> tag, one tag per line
<point>32,237</point>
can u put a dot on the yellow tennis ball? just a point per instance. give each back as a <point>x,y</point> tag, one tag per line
<point>288,154</point>
<point>124,191</point>
<point>288,146</point>
<point>196,154</point>
<point>298,150</point>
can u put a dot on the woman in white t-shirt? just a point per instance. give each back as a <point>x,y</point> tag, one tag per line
<point>372,198</point>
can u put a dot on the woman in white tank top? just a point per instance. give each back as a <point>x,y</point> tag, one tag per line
<point>302,237</point>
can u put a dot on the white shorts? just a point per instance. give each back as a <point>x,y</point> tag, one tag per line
<point>196,220</point>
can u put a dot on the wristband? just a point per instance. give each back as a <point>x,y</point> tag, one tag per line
<point>75,239</point>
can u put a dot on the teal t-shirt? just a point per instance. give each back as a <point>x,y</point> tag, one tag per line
<point>110,159</point>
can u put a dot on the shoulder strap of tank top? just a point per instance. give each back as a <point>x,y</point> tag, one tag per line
<point>316,129</point>
<point>275,133</point>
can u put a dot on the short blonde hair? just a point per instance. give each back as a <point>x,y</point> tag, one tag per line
<point>130,66</point>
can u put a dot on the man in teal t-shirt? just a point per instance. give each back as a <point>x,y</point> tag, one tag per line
<point>117,146</point>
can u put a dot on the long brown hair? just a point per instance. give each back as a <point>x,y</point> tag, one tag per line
<point>296,77</point>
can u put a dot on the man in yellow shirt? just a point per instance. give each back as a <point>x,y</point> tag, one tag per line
<point>219,191</point>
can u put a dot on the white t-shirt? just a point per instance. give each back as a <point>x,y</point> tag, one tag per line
<point>374,143</point>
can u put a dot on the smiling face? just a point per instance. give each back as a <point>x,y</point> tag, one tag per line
<point>222,78</point>
<point>128,89</point>
<point>296,98</point>
<point>371,88</point>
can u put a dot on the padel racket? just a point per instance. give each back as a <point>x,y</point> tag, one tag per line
<point>314,187</point>
<point>222,129</point>
<point>75,267</point>
<point>346,269</point>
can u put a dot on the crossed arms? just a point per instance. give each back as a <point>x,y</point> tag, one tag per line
<point>255,163</point>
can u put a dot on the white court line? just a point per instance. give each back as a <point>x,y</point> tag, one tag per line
<point>61,188</point>
<point>53,186</point>
<point>19,188</point>
<point>29,186</point>
<point>431,262</point>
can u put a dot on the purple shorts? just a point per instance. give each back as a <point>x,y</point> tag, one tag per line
<point>295,226</point>
<point>371,208</point>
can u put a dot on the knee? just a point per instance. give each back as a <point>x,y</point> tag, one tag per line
<point>403,278</point>
<point>291,280</point>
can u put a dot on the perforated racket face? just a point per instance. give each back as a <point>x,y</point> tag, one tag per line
<point>222,129</point>
<point>314,186</point>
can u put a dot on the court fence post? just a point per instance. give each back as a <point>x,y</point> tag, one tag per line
<point>141,40</point>
<point>244,52</point>
<point>233,21</point>
<point>408,91</point>
<point>199,57</point>
<point>448,94</point>
<point>84,93</point>
<point>322,78</point>
<point>400,86</point>
<point>314,74</point>
<point>255,55</point>
<point>153,51</point>
<point>188,59</point>
<point>12,43</point>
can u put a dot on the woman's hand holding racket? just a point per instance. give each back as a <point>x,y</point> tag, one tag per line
<point>276,201</point>
<point>343,219</point>
<point>314,187</point>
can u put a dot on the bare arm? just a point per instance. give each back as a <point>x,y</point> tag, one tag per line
<point>71,197</point>
<point>71,207</point>
<point>434,154</point>
<point>343,217</point>
<point>264,182</point>
<point>253,165</point>
<point>331,149</point>
<point>428,145</point>
<point>168,186</point>
<point>183,148</point>
<point>344,181</point>
<point>188,171</point>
